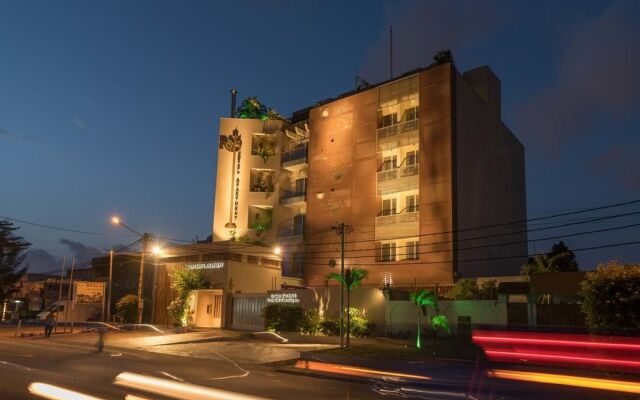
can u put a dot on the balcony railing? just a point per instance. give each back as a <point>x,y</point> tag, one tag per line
<point>403,224</point>
<point>398,135</point>
<point>398,180</point>
<point>289,197</point>
<point>299,154</point>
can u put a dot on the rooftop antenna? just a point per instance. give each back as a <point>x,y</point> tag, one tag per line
<point>391,52</point>
<point>234,93</point>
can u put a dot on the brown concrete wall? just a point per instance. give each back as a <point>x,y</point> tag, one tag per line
<point>436,191</point>
<point>343,162</point>
<point>490,179</point>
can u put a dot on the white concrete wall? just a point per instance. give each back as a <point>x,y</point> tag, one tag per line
<point>402,315</point>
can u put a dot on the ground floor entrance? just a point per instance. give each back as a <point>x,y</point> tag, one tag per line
<point>206,308</point>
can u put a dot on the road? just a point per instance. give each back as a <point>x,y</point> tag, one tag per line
<point>76,365</point>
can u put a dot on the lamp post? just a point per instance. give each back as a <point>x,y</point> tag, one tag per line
<point>145,237</point>
<point>342,230</point>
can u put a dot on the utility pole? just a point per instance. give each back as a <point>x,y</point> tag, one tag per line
<point>64,260</point>
<point>145,241</point>
<point>110,283</point>
<point>342,230</point>
<point>66,310</point>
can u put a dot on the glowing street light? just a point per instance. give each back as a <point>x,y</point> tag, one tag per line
<point>277,250</point>
<point>156,250</point>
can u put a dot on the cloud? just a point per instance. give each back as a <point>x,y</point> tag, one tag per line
<point>40,260</point>
<point>4,133</point>
<point>621,161</point>
<point>596,77</point>
<point>423,28</point>
<point>80,251</point>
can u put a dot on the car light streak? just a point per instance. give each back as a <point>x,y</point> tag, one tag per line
<point>177,390</point>
<point>568,380</point>
<point>354,371</point>
<point>555,342</point>
<point>57,393</point>
<point>563,358</point>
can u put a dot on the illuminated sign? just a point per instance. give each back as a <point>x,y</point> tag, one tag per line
<point>208,265</point>
<point>283,298</point>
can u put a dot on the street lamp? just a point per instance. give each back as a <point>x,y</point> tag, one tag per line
<point>145,240</point>
<point>277,250</point>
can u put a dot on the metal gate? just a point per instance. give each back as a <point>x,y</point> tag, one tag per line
<point>246,311</point>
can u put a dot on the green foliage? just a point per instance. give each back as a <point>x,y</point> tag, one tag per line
<point>440,323</point>
<point>422,299</point>
<point>187,280</point>
<point>280,317</point>
<point>330,327</point>
<point>252,108</point>
<point>353,277</point>
<point>465,289</point>
<point>12,254</point>
<point>311,323</point>
<point>560,259</point>
<point>127,308</point>
<point>184,282</point>
<point>612,298</point>
<point>265,151</point>
<point>260,225</point>
<point>468,289</point>
<point>360,325</point>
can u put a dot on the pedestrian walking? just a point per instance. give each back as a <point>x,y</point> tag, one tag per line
<point>49,323</point>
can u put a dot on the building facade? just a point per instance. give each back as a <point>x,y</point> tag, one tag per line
<point>421,167</point>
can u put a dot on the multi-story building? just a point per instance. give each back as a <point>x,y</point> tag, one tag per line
<point>421,167</point>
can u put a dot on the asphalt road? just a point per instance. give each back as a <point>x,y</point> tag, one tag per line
<point>79,367</point>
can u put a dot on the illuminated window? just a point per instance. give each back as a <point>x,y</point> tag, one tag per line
<point>389,206</point>
<point>411,250</point>
<point>388,251</point>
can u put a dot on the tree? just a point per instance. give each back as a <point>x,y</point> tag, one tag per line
<point>422,299</point>
<point>465,289</point>
<point>611,298</point>
<point>184,282</point>
<point>252,108</point>
<point>560,259</point>
<point>352,278</point>
<point>12,254</point>
<point>127,307</point>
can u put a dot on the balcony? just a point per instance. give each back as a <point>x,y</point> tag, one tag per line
<point>293,231</point>
<point>296,156</point>
<point>293,198</point>
<point>398,135</point>
<point>398,180</point>
<point>400,225</point>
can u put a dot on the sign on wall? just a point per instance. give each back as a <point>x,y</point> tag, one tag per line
<point>89,292</point>
<point>207,265</point>
<point>283,298</point>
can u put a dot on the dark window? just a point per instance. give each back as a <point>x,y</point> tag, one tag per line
<point>411,114</point>
<point>388,120</point>
<point>388,252</point>
<point>411,250</point>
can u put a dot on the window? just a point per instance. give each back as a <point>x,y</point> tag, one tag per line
<point>209,308</point>
<point>388,120</point>
<point>388,252</point>
<point>389,206</point>
<point>412,158</point>
<point>411,114</point>
<point>298,224</point>
<point>389,163</point>
<point>411,250</point>
<point>412,203</point>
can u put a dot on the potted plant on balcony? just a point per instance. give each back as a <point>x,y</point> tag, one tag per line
<point>265,151</point>
<point>260,225</point>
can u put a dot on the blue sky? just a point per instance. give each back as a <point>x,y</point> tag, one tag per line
<point>112,107</point>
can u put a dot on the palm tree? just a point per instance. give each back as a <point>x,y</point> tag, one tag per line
<point>542,263</point>
<point>351,280</point>
<point>422,299</point>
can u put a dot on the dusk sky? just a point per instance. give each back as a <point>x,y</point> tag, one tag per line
<point>112,107</point>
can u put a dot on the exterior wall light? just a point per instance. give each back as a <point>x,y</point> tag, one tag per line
<point>320,195</point>
<point>325,113</point>
<point>277,250</point>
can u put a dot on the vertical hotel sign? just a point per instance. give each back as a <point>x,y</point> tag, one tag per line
<point>233,144</point>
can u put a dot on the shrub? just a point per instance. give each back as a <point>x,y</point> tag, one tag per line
<point>612,298</point>
<point>127,308</point>
<point>184,282</point>
<point>360,325</point>
<point>283,318</point>
<point>330,327</point>
<point>311,322</point>
<point>465,289</point>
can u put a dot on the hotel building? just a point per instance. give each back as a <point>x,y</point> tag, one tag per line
<point>421,169</point>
